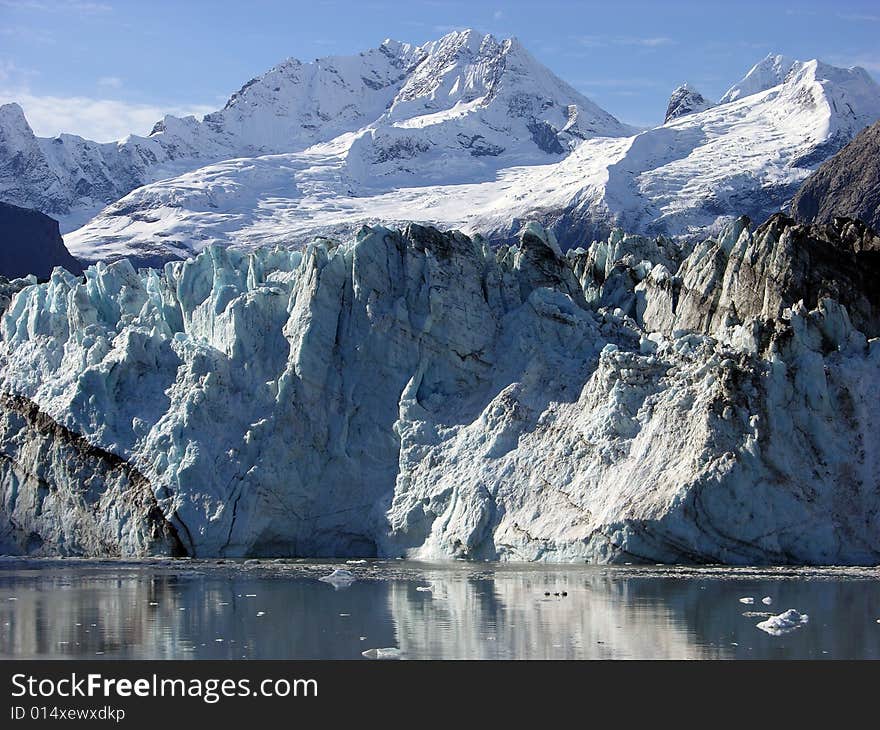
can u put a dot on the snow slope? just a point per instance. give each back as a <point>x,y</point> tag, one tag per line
<point>485,103</point>
<point>422,394</point>
<point>692,174</point>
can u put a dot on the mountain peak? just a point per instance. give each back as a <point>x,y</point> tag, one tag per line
<point>12,114</point>
<point>770,71</point>
<point>685,100</point>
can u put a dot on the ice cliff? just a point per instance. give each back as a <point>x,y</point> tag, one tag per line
<point>419,393</point>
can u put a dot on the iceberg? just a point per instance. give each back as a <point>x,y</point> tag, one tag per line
<point>784,623</point>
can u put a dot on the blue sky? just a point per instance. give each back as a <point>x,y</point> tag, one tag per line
<point>103,68</point>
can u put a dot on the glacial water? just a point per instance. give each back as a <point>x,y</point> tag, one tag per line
<point>162,609</point>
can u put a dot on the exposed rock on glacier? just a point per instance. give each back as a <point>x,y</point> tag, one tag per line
<point>64,496</point>
<point>744,277</point>
<point>419,393</point>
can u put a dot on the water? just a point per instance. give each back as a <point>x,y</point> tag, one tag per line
<point>280,610</point>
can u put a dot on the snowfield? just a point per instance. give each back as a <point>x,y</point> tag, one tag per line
<point>694,173</point>
<point>466,132</point>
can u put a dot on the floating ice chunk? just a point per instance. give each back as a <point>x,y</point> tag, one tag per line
<point>766,600</point>
<point>748,600</point>
<point>355,562</point>
<point>261,613</point>
<point>784,623</point>
<point>391,652</point>
<point>426,589</point>
<point>339,578</point>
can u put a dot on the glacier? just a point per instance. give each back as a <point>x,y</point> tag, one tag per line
<point>419,393</point>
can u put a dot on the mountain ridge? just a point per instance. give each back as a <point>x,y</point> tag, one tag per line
<point>687,177</point>
<point>467,131</point>
<point>290,107</point>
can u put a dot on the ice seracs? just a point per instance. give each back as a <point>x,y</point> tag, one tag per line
<point>419,393</point>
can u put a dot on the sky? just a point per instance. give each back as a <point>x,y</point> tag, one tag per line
<point>105,68</point>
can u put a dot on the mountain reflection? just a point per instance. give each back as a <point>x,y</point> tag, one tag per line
<point>57,609</point>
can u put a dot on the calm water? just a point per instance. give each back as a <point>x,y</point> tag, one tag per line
<point>280,610</point>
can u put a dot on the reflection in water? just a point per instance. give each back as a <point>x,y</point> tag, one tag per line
<point>269,610</point>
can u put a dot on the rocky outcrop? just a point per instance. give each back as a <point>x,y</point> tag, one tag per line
<point>31,244</point>
<point>847,185</point>
<point>63,496</point>
<point>418,393</point>
<point>685,100</point>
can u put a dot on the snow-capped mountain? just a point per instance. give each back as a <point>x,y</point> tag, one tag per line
<point>685,100</point>
<point>747,155</point>
<point>770,71</point>
<point>467,131</point>
<point>460,106</point>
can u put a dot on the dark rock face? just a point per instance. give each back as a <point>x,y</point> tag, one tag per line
<point>30,243</point>
<point>41,514</point>
<point>545,137</point>
<point>846,185</point>
<point>785,263</point>
<point>685,100</point>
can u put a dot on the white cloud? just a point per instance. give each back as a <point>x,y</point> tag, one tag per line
<point>111,82</point>
<point>102,120</point>
<point>498,14</point>
<point>13,74</point>
<point>859,18</point>
<point>77,6</point>
<point>869,63</point>
<point>596,41</point>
